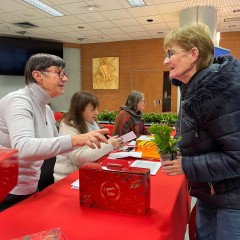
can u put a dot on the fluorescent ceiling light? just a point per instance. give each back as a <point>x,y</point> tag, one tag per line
<point>42,6</point>
<point>137,3</point>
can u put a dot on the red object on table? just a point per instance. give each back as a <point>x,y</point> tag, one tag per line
<point>58,116</point>
<point>109,126</point>
<point>51,234</point>
<point>58,206</point>
<point>8,171</point>
<point>112,186</point>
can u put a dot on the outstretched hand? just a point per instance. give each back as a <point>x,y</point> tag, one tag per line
<point>116,142</point>
<point>91,139</point>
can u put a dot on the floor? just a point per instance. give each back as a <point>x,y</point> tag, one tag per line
<point>192,204</point>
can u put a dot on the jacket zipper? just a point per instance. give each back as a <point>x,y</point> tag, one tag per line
<point>211,188</point>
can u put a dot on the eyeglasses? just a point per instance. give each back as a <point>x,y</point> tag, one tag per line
<point>171,52</point>
<point>61,73</point>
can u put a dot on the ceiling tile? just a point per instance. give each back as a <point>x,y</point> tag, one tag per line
<point>113,19</point>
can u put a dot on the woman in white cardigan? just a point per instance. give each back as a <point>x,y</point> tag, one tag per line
<point>81,118</point>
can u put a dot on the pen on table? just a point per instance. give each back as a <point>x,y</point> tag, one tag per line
<point>129,149</point>
<point>106,136</point>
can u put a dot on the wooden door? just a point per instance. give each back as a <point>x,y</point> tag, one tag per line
<point>150,83</point>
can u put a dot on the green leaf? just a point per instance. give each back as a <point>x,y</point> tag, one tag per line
<point>162,138</point>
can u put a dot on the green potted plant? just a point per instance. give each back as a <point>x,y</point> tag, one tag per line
<point>166,144</point>
<point>107,116</point>
<point>168,118</point>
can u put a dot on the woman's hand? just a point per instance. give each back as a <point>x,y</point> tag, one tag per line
<point>173,167</point>
<point>116,142</point>
<point>91,139</point>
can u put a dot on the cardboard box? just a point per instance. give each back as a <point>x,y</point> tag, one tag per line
<point>8,171</point>
<point>113,185</point>
<point>51,234</point>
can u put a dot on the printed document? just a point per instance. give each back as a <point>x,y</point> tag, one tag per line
<point>153,166</point>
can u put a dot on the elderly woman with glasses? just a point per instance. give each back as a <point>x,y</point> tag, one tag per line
<point>27,124</point>
<point>210,129</point>
<point>129,117</point>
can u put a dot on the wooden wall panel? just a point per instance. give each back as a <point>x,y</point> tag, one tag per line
<point>134,55</point>
<point>148,82</point>
<point>231,40</point>
<point>140,55</point>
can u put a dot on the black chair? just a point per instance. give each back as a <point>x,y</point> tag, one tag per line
<point>46,177</point>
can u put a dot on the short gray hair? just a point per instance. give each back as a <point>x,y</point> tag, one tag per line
<point>40,62</point>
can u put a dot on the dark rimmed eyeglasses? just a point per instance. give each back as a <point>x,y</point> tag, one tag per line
<point>171,52</point>
<point>61,73</point>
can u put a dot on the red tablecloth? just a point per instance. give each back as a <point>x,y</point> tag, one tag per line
<point>58,206</point>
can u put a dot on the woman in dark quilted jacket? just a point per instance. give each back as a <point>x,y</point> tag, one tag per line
<point>209,123</point>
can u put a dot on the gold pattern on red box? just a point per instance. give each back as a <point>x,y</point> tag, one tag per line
<point>51,234</point>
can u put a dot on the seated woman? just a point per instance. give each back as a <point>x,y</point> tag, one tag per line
<point>129,117</point>
<point>81,119</point>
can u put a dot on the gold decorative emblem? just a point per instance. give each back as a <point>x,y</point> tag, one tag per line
<point>110,191</point>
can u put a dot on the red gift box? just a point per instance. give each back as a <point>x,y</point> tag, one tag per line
<point>51,234</point>
<point>113,185</point>
<point>8,170</point>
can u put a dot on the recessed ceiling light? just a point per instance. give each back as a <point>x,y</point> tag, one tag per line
<point>232,26</point>
<point>149,20</point>
<point>91,8</point>
<point>81,27</point>
<point>100,38</point>
<point>159,32</point>
<point>137,3</point>
<point>236,10</point>
<point>42,6</point>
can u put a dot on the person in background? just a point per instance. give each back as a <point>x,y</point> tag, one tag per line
<point>28,125</point>
<point>129,117</point>
<point>80,119</point>
<point>210,129</point>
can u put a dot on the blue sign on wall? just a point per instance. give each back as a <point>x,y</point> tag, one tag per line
<point>221,51</point>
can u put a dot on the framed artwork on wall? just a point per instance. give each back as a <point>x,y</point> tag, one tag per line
<point>105,73</point>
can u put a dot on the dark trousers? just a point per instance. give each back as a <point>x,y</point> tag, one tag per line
<point>11,200</point>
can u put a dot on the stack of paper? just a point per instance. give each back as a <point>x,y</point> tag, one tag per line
<point>153,166</point>
<point>124,154</point>
<point>75,185</point>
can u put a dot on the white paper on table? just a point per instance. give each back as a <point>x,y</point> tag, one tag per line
<point>153,166</point>
<point>124,154</point>
<point>128,137</point>
<point>144,137</point>
<point>75,184</point>
<point>132,143</point>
